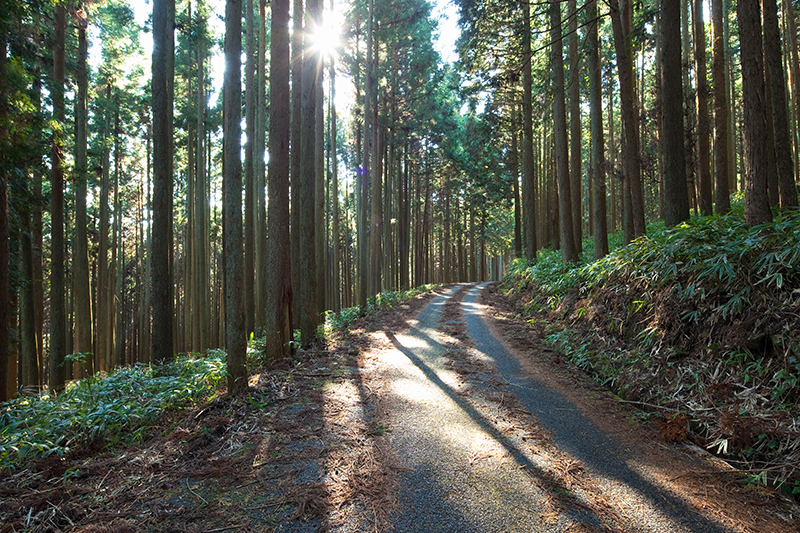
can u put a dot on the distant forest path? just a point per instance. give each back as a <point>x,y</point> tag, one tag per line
<point>492,438</point>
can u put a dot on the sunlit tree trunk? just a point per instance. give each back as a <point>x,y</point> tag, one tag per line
<point>756,198</point>
<point>528,178</point>
<point>235,333</point>
<point>569,252</point>
<point>278,309</point>
<point>513,163</point>
<point>598,146</point>
<point>620,18</point>
<point>575,153</point>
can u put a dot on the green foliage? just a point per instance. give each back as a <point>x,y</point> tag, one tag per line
<point>700,318</point>
<point>105,409</point>
<point>385,300</point>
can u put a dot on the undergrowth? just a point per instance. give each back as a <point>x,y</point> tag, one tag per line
<point>384,300</point>
<point>701,319</point>
<point>106,409</point>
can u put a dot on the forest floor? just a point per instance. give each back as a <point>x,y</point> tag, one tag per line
<point>445,413</point>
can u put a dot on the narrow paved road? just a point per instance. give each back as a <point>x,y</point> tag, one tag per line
<point>466,474</point>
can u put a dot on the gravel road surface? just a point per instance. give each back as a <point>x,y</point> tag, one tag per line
<point>467,475</point>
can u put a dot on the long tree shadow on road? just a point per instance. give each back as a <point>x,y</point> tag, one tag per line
<point>573,433</point>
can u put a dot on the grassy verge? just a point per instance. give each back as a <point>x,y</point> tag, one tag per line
<point>119,407</point>
<point>385,300</point>
<point>701,320</point>
<point>106,409</point>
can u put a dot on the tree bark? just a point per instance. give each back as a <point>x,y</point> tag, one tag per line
<point>514,167</point>
<point>336,292</point>
<point>296,154</point>
<point>575,154</point>
<point>703,132</point>
<point>201,197</point>
<point>756,196</point>
<point>528,177</point>
<point>261,184</point>
<point>5,266</point>
<point>620,19</point>
<point>249,169</point>
<point>780,110</point>
<point>598,144</point>
<point>278,310</point>
<point>722,201</point>
<point>235,334</point>
<point>676,200</point>
<point>366,170</point>
<point>82,295</point>
<point>305,290</point>
<point>58,306</point>
<point>163,38</point>
<point>568,251</point>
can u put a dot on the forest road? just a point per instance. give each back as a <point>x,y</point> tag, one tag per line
<point>489,447</point>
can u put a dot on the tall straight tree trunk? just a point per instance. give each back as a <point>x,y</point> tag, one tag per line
<point>598,146</point>
<point>756,196</point>
<point>403,218</point>
<point>202,296</point>
<point>620,19</point>
<point>80,258</point>
<point>676,200</point>
<point>528,177</point>
<point>376,208</point>
<point>336,293</point>
<point>58,305</point>
<point>690,110</point>
<point>612,158</point>
<point>791,32</point>
<point>163,65</point>
<point>722,170</point>
<point>235,333</point>
<point>320,225</point>
<point>261,184</point>
<point>703,132</point>
<point>296,151</point>
<point>575,153</point>
<point>366,170</point>
<point>514,165</point>
<point>306,289</point>
<point>5,266</point>
<point>278,309</point>
<point>568,251</point>
<point>249,169</point>
<point>119,249</point>
<point>104,297</point>
<point>780,110</point>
